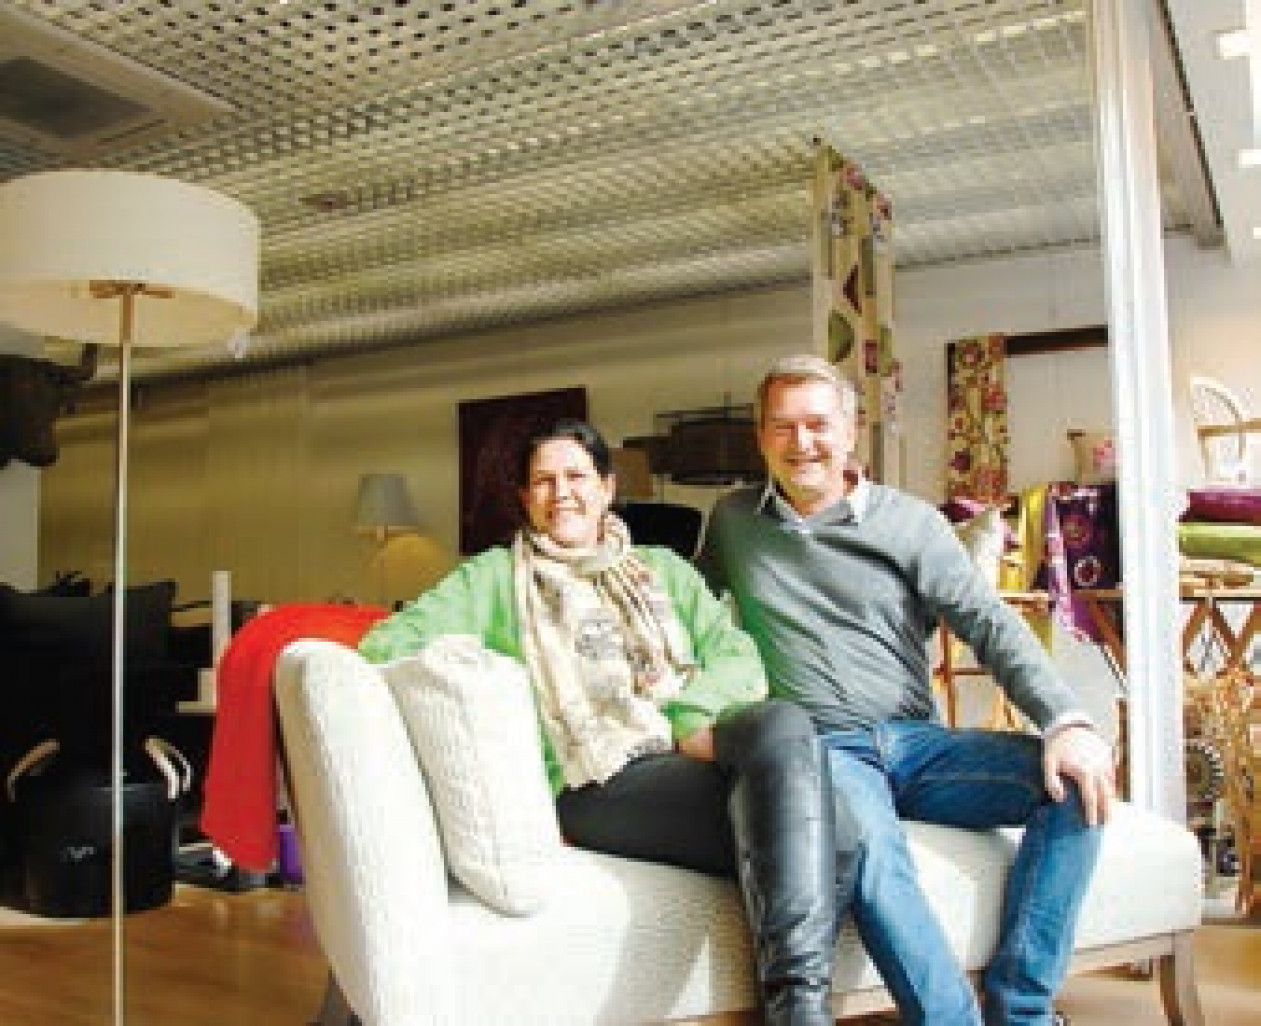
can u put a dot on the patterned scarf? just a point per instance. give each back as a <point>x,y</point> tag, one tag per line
<point>604,648</point>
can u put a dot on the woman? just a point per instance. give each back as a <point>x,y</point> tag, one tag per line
<point>656,740</point>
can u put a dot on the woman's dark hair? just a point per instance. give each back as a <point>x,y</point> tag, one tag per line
<point>576,431</point>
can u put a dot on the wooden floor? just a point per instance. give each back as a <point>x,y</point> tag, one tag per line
<point>218,959</point>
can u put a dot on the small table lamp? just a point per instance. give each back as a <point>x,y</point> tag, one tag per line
<point>384,505</point>
<point>181,262</point>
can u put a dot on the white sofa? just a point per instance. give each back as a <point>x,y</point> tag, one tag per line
<point>620,941</point>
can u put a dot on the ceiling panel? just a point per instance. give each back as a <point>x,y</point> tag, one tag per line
<point>428,168</point>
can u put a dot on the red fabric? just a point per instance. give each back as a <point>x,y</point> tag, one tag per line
<point>239,810</point>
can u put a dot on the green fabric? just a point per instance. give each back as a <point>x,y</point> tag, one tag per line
<point>1205,540</point>
<point>477,598</point>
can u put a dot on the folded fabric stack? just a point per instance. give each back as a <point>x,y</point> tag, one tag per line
<point>1219,535</point>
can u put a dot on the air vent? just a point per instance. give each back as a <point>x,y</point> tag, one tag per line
<point>327,202</point>
<point>79,99</point>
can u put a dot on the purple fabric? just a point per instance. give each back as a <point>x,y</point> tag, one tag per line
<point>1223,505</point>
<point>1081,528</point>
<point>1053,574</point>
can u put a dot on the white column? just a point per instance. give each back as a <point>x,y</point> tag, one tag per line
<point>1139,348</point>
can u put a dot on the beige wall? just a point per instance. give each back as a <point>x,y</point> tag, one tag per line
<point>258,474</point>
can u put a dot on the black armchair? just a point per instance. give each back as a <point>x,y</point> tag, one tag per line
<point>664,523</point>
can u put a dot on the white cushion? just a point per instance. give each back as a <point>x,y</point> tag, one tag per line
<point>984,536</point>
<point>633,942</point>
<point>471,717</point>
<point>370,849</point>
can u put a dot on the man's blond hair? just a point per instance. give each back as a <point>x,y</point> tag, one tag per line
<point>802,367</point>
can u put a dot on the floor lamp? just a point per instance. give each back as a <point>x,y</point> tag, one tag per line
<point>129,260</point>
<point>384,505</point>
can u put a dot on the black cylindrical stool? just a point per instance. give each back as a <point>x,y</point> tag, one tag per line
<point>64,822</point>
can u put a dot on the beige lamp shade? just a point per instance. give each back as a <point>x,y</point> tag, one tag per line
<point>384,504</point>
<point>65,234</point>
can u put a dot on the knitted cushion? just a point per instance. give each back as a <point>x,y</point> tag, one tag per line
<point>471,717</point>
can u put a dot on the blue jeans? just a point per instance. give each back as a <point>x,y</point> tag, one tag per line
<point>976,779</point>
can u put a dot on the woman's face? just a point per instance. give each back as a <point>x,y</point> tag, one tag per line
<point>565,497</point>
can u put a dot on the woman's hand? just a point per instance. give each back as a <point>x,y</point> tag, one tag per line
<point>699,744</point>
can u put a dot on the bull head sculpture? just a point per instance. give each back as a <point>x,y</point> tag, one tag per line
<point>33,394</point>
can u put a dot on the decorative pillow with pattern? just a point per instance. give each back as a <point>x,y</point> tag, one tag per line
<point>471,717</point>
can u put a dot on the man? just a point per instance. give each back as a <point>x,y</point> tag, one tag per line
<point>841,582</point>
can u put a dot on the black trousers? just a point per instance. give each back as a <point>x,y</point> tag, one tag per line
<point>672,808</point>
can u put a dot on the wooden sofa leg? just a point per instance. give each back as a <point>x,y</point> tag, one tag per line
<point>334,1011</point>
<point>1177,983</point>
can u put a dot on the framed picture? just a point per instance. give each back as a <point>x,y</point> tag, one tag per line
<point>492,432</point>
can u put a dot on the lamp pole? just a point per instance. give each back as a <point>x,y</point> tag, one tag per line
<point>126,293</point>
<point>382,539</point>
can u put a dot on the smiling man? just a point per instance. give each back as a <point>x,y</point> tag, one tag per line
<point>841,583</point>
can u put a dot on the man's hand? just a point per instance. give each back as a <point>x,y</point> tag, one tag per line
<point>699,744</point>
<point>1078,752</point>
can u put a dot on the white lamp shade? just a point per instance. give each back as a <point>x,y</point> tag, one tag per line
<point>60,231</point>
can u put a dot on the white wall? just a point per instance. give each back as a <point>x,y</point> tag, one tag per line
<point>1024,294</point>
<point>1215,324</point>
<point>1214,329</point>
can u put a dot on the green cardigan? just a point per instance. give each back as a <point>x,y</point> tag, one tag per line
<point>477,598</point>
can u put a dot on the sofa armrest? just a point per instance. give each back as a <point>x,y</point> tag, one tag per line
<point>376,883</point>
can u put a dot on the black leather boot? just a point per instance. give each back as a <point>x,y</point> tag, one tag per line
<point>781,813</point>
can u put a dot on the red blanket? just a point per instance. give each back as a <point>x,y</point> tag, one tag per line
<point>239,811</point>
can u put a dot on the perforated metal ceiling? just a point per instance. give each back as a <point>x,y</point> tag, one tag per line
<point>422,168</point>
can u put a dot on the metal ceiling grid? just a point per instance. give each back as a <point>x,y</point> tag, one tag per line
<point>424,167</point>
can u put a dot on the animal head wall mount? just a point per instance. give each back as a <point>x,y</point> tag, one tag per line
<point>33,394</point>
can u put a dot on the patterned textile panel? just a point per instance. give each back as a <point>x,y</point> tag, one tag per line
<point>1089,527</point>
<point>1082,548</point>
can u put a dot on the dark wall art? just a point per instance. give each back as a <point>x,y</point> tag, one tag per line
<point>491,434</point>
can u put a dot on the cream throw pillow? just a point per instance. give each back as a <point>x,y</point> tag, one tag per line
<point>984,536</point>
<point>470,714</point>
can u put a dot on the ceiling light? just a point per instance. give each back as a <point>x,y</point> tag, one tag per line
<point>1256,232</point>
<point>1242,42</point>
<point>1236,43</point>
<point>1250,158</point>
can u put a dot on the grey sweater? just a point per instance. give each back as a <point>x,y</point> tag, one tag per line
<point>842,610</point>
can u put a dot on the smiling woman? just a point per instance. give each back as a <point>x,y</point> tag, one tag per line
<point>567,492</point>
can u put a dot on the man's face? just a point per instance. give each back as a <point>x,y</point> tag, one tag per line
<point>806,439</point>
